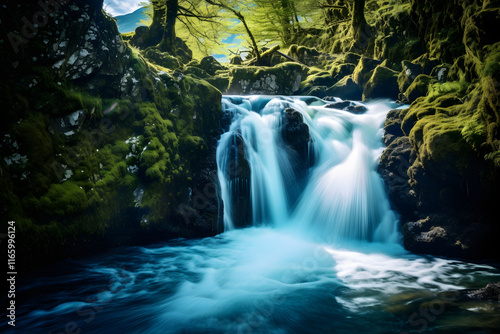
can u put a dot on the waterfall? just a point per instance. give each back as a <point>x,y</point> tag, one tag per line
<point>299,163</point>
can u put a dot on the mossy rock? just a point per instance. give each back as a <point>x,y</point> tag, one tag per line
<point>426,63</point>
<point>220,82</point>
<point>283,79</point>
<point>162,58</point>
<point>419,87</point>
<point>364,70</point>
<point>382,84</point>
<point>318,79</point>
<point>349,58</point>
<point>441,72</point>
<point>236,60</point>
<point>346,89</point>
<point>339,71</point>
<point>409,72</point>
<point>210,65</point>
<point>196,71</point>
<point>63,199</point>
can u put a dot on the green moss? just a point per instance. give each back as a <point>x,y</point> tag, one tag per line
<point>419,87</point>
<point>62,199</point>
<point>281,79</point>
<point>364,70</point>
<point>382,84</point>
<point>474,133</point>
<point>455,88</point>
<point>162,58</point>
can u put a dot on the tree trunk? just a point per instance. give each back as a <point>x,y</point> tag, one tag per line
<point>285,20</point>
<point>167,43</point>
<point>358,18</point>
<point>240,17</point>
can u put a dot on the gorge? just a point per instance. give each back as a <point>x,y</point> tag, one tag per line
<point>341,174</point>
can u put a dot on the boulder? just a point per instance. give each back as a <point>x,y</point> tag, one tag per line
<point>295,132</point>
<point>382,84</point>
<point>426,62</point>
<point>491,292</point>
<point>210,65</point>
<point>345,89</point>
<point>347,106</point>
<point>364,70</point>
<point>408,74</point>
<point>283,79</point>
<point>340,71</point>
<point>419,87</point>
<point>441,72</point>
<point>236,60</point>
<point>164,59</point>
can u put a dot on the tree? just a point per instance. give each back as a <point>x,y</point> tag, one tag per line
<point>168,41</point>
<point>358,19</point>
<point>169,17</point>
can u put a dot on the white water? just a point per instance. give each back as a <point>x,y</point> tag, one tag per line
<point>344,198</point>
<point>327,261</point>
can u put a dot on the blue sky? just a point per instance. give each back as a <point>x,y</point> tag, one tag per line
<point>120,7</point>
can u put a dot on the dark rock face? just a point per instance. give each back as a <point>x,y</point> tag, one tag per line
<point>382,84</point>
<point>345,89</point>
<point>295,133</point>
<point>236,60</point>
<point>113,151</point>
<point>239,177</point>
<point>491,292</point>
<point>348,106</point>
<point>210,65</point>
<point>436,215</point>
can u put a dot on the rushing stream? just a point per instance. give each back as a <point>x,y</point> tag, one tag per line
<point>310,246</point>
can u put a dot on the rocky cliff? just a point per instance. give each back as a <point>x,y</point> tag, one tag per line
<point>100,147</point>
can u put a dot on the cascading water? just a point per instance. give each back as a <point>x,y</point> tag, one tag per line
<point>336,194</point>
<point>321,257</point>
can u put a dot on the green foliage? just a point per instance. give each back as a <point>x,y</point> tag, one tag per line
<point>474,133</point>
<point>457,88</point>
<point>63,199</point>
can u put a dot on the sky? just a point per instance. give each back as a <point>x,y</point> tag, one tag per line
<point>120,7</point>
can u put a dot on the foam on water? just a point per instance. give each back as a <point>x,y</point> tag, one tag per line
<point>328,260</point>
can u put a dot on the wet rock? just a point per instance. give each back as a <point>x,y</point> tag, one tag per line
<point>348,106</point>
<point>419,87</point>
<point>364,70</point>
<point>345,89</point>
<point>338,105</point>
<point>491,292</point>
<point>382,84</point>
<point>238,174</point>
<point>283,79</point>
<point>295,132</point>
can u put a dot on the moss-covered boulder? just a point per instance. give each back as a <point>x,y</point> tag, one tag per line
<point>409,72</point>
<point>382,84</point>
<point>236,60</point>
<point>210,65</point>
<point>101,143</point>
<point>364,70</point>
<point>441,72</point>
<point>346,89</point>
<point>340,71</point>
<point>419,87</point>
<point>163,59</point>
<point>282,79</point>
<point>304,54</point>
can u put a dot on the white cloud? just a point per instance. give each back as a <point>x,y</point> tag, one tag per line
<point>120,7</point>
